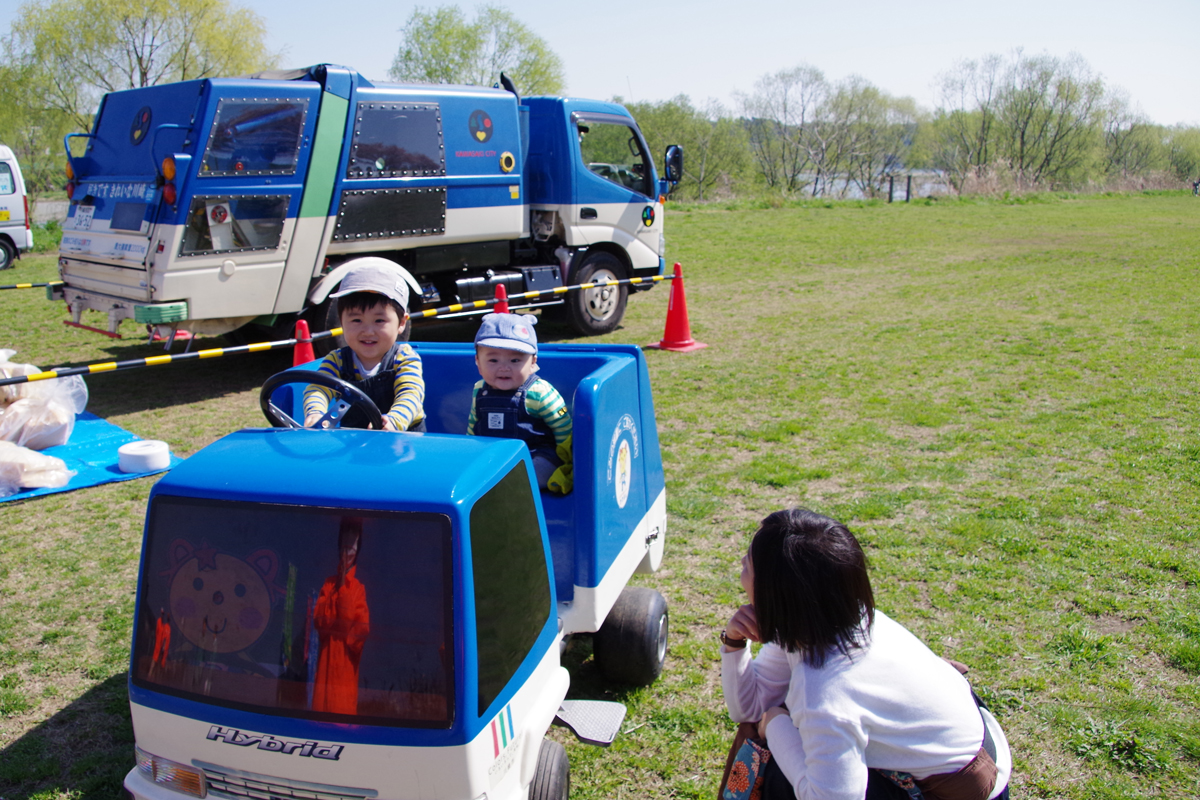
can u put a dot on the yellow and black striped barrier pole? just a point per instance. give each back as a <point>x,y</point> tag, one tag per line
<point>31,285</point>
<point>261,347</point>
<point>541,293</point>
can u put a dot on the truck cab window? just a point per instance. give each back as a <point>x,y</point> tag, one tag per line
<point>7,184</point>
<point>254,137</point>
<point>615,152</point>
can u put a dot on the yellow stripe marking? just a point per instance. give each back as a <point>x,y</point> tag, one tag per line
<point>107,366</point>
<point>258,347</point>
<point>216,351</point>
<point>43,376</point>
<point>154,361</point>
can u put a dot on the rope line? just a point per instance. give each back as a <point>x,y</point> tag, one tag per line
<point>260,347</point>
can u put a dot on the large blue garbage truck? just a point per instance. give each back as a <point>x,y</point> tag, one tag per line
<point>342,614</point>
<point>237,204</point>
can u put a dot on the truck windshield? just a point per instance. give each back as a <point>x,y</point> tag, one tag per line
<point>318,613</point>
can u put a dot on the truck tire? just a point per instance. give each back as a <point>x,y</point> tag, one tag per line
<point>7,253</point>
<point>595,311</point>
<point>552,778</point>
<point>631,645</point>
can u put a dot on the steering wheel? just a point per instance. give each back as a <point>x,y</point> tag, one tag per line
<point>350,396</point>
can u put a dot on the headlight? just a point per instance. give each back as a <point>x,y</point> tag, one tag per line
<point>188,780</point>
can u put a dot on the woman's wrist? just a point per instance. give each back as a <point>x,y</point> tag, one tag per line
<point>731,642</point>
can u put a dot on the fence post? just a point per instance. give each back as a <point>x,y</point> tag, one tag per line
<point>891,186</point>
<point>908,191</point>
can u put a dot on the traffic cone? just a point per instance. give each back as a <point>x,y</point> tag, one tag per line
<point>501,299</point>
<point>303,351</point>
<point>677,335</point>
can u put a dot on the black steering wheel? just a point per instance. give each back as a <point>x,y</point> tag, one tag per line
<point>350,396</point>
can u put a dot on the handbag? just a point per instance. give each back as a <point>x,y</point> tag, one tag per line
<point>745,765</point>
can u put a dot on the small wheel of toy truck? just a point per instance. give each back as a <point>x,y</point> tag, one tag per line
<point>353,396</point>
<point>595,311</point>
<point>552,778</point>
<point>631,645</point>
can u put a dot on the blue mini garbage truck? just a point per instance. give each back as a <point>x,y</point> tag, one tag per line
<point>367,614</point>
<point>236,204</point>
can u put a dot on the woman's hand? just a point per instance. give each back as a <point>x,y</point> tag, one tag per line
<point>743,624</point>
<point>770,714</point>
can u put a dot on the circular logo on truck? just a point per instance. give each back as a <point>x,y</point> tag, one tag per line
<point>481,125</point>
<point>648,216</point>
<point>140,126</point>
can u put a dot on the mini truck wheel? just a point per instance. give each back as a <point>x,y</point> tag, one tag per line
<point>631,645</point>
<point>595,311</point>
<point>7,253</point>
<point>552,778</point>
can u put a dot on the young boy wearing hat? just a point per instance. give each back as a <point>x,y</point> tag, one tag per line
<point>512,402</point>
<point>372,305</point>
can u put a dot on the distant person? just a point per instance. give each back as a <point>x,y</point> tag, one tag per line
<point>342,621</point>
<point>512,402</point>
<point>372,306</point>
<point>850,703</point>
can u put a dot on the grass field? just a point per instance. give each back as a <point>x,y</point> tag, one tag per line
<point>998,398</point>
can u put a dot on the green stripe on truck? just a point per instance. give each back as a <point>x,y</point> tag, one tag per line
<point>326,150</point>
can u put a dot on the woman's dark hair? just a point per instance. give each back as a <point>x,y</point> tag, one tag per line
<point>362,301</point>
<point>811,589</point>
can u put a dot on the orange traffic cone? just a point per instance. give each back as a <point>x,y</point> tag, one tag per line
<point>677,335</point>
<point>501,299</point>
<point>303,351</point>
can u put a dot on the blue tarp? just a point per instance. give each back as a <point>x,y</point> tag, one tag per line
<point>92,454</point>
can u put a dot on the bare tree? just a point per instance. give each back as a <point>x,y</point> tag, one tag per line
<point>964,127</point>
<point>1048,111</point>
<point>1131,143</point>
<point>780,114</point>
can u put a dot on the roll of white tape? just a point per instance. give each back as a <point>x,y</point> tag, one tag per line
<point>147,455</point>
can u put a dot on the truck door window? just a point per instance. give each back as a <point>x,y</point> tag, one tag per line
<point>221,224</point>
<point>615,152</point>
<point>7,184</point>
<point>394,140</point>
<point>254,137</point>
<point>316,613</point>
<point>512,583</point>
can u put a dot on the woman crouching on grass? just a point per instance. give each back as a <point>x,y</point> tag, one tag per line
<point>850,703</point>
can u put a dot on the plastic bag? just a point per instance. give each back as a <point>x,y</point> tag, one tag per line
<point>42,413</point>
<point>8,369</point>
<point>21,468</point>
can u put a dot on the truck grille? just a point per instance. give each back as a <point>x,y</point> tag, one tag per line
<point>232,783</point>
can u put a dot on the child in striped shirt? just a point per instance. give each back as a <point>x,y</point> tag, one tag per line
<point>372,305</point>
<point>511,401</point>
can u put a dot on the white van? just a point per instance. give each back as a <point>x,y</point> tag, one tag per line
<point>15,233</point>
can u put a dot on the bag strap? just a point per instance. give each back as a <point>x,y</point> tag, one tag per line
<point>746,730</point>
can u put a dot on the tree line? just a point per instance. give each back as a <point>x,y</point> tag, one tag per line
<point>1011,122</point>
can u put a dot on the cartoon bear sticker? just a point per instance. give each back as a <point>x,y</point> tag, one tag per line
<point>219,602</point>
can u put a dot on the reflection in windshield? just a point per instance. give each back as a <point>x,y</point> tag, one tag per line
<point>342,622</point>
<point>264,607</point>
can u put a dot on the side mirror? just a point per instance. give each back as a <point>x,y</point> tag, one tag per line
<point>674,163</point>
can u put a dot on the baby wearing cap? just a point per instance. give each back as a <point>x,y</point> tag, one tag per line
<point>512,402</point>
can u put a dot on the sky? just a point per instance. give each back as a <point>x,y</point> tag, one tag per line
<point>649,50</point>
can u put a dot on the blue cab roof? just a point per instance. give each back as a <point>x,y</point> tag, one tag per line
<point>345,469</point>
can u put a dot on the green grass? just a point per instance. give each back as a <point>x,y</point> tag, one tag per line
<point>999,397</point>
